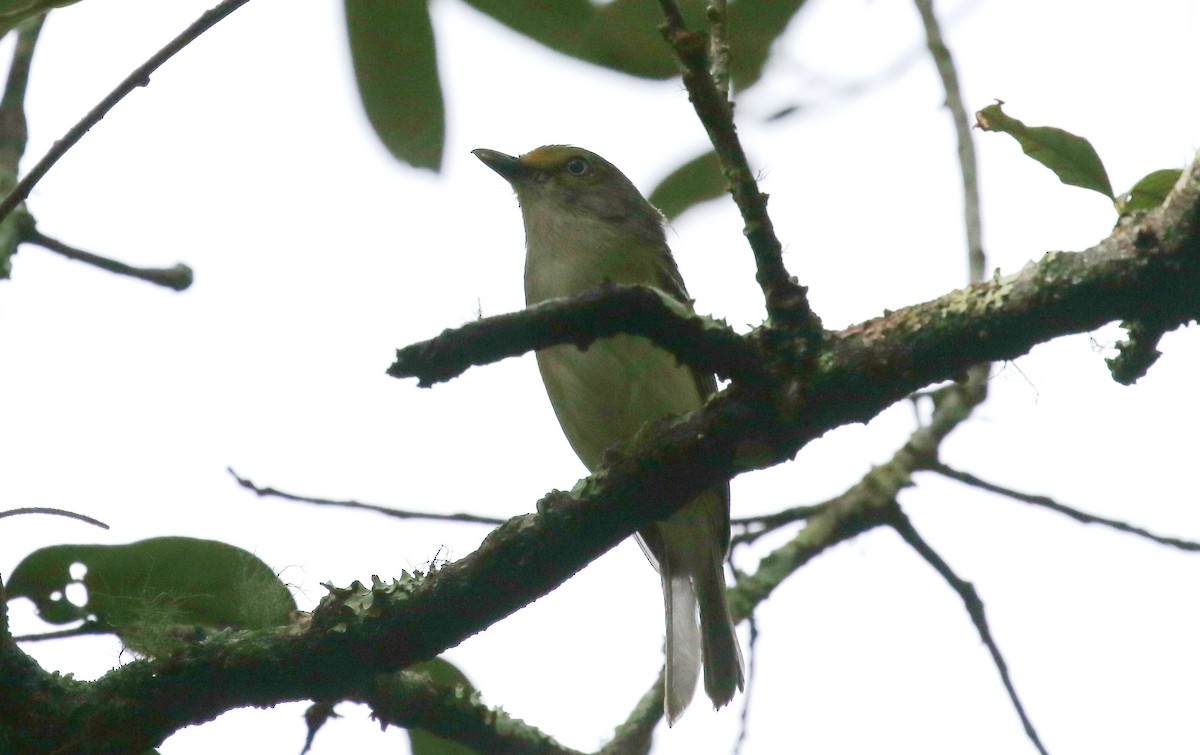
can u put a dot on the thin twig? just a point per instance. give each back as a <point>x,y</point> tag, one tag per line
<point>755,527</point>
<point>1050,503</point>
<point>178,278</point>
<point>399,514</point>
<point>977,260</point>
<point>970,598</point>
<point>138,78</point>
<point>786,300</point>
<point>54,512</point>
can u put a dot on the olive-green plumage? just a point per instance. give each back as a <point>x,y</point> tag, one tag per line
<point>586,223</point>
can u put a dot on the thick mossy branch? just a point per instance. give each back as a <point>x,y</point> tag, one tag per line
<point>1144,271</point>
<point>1149,271</point>
<point>1150,268</point>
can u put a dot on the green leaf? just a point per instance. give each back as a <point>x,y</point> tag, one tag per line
<point>146,591</point>
<point>623,35</point>
<point>557,24</point>
<point>1150,191</point>
<point>395,65</point>
<point>753,28</point>
<point>698,180</point>
<point>1071,157</point>
<point>445,674</point>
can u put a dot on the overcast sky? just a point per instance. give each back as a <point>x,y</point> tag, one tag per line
<point>316,255</point>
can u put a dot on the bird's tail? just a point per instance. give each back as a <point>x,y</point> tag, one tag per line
<point>684,643</point>
<point>699,626</point>
<point>723,674</point>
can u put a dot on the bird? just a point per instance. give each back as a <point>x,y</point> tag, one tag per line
<point>585,224</point>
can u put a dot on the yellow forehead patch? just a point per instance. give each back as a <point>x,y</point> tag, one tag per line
<point>551,156</point>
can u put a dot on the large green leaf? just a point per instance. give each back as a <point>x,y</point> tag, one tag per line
<point>753,28</point>
<point>698,180</point>
<point>557,24</point>
<point>147,591</point>
<point>1071,157</point>
<point>395,65</point>
<point>623,35</point>
<point>1150,191</point>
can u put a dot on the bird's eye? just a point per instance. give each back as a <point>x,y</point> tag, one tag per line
<point>577,166</point>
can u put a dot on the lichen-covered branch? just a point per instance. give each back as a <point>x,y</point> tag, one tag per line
<point>413,701</point>
<point>1154,263</point>
<point>1149,269</point>
<point>605,310</point>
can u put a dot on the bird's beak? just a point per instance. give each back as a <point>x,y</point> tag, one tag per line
<point>509,167</point>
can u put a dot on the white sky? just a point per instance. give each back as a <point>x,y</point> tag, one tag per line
<point>315,256</point>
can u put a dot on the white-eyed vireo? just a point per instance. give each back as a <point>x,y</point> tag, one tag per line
<point>586,223</point>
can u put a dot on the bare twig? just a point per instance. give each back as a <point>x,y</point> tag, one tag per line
<point>1050,503</point>
<point>755,527</point>
<point>138,78</point>
<point>974,606</point>
<point>977,260</point>
<point>786,300</point>
<point>177,277</point>
<point>54,512</point>
<point>399,514</point>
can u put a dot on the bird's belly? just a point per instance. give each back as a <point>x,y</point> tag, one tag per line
<point>605,394</point>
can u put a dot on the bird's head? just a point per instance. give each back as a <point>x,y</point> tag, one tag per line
<point>565,181</point>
